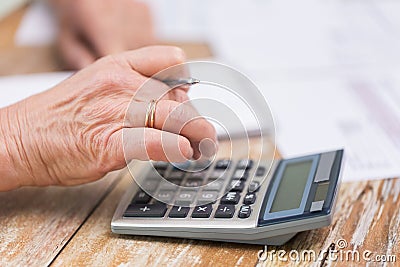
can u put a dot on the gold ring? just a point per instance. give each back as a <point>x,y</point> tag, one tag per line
<point>150,114</point>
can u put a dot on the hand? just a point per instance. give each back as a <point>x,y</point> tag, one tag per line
<point>90,29</point>
<point>73,133</point>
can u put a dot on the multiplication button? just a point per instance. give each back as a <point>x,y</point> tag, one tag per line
<point>225,211</point>
<point>249,199</point>
<point>202,211</point>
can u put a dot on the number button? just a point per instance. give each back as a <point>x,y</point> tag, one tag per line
<point>245,164</point>
<point>213,185</point>
<point>253,186</point>
<point>249,199</point>
<point>141,198</point>
<point>231,198</point>
<point>207,197</point>
<point>260,171</point>
<point>185,198</point>
<point>202,211</point>
<point>237,185</point>
<point>240,175</point>
<point>244,212</point>
<point>178,212</point>
<point>193,183</point>
<point>165,196</point>
<point>222,164</point>
<point>225,211</point>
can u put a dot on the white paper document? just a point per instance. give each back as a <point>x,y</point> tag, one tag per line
<point>360,113</point>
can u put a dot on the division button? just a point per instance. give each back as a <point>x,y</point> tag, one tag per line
<point>146,210</point>
<point>225,211</point>
<point>244,212</point>
<point>179,212</point>
<point>141,198</point>
<point>231,198</point>
<point>249,199</point>
<point>202,211</point>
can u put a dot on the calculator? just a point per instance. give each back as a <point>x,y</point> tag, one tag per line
<point>233,200</point>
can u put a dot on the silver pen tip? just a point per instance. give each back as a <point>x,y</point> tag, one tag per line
<point>193,81</point>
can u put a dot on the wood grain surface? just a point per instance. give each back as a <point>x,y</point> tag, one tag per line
<point>71,226</point>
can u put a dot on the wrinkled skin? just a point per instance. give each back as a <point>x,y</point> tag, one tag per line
<point>79,130</point>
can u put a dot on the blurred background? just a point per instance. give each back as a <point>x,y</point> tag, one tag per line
<point>329,69</point>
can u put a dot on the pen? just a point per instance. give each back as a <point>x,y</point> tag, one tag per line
<point>178,82</point>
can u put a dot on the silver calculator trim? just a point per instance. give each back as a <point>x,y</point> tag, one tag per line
<point>230,230</point>
<point>119,222</point>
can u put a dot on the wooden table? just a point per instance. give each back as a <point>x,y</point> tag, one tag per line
<point>71,226</point>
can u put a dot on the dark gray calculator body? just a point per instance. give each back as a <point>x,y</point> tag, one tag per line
<point>249,205</point>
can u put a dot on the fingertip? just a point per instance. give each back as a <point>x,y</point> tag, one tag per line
<point>185,148</point>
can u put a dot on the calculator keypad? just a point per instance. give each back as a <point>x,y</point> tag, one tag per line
<point>222,191</point>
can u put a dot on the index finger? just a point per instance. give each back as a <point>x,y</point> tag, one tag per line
<point>153,59</point>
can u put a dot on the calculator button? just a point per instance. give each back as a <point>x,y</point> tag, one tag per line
<point>245,164</point>
<point>141,198</point>
<point>198,175</point>
<point>261,171</point>
<point>225,211</point>
<point>193,183</point>
<point>244,212</point>
<point>237,185</point>
<point>215,185</point>
<point>146,210</point>
<point>202,211</point>
<point>176,174</point>
<point>218,174</point>
<point>160,165</point>
<point>179,212</point>
<point>240,174</point>
<point>207,197</point>
<point>168,186</point>
<point>231,198</point>
<point>317,206</point>
<point>253,186</point>
<point>149,185</point>
<point>165,196</point>
<point>249,199</point>
<point>185,198</point>
<point>223,164</point>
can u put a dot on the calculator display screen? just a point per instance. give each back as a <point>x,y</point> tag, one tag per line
<point>293,182</point>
